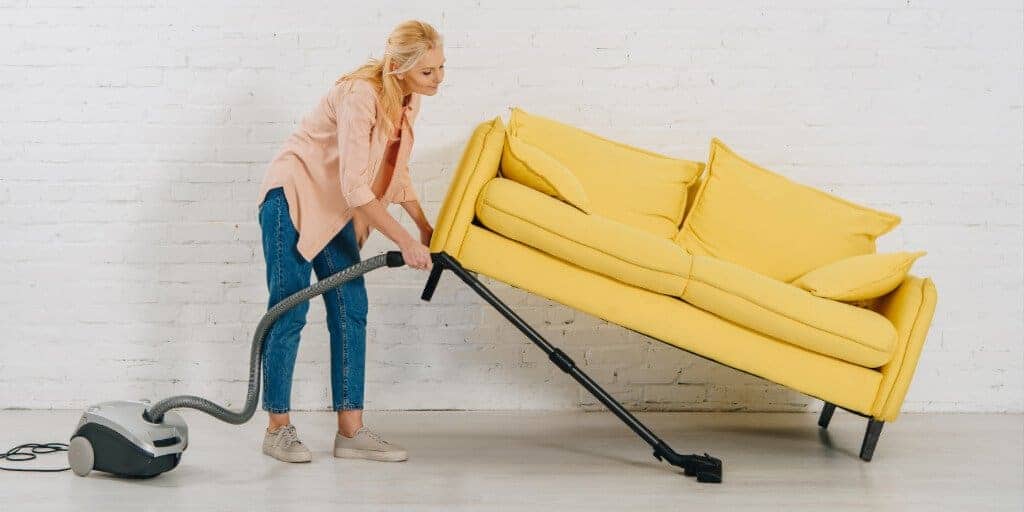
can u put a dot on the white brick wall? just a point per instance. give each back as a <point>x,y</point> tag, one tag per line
<point>134,134</point>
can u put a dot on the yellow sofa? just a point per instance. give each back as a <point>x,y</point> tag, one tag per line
<point>859,359</point>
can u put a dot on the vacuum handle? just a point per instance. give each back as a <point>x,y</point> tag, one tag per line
<point>395,259</point>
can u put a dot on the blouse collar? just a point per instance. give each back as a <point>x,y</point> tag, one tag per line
<point>409,113</point>
<point>413,108</point>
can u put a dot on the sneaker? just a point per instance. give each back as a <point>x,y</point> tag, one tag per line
<point>283,444</point>
<point>367,444</point>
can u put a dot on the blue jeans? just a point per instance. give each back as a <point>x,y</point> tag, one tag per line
<point>287,273</point>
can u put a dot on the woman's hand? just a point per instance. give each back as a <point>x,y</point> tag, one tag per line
<point>415,254</point>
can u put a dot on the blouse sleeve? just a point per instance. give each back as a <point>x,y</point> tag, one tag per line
<point>356,117</point>
<point>406,192</point>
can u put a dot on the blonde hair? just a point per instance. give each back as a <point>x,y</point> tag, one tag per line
<point>405,46</point>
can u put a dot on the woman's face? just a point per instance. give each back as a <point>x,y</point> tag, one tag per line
<point>426,75</point>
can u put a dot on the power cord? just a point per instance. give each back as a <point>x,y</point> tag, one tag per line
<point>36,449</point>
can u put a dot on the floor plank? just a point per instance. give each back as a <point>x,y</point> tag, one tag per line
<point>553,461</point>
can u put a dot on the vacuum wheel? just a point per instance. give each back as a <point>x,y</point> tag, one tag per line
<point>80,456</point>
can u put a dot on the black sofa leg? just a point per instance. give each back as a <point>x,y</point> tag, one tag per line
<point>874,430</point>
<point>706,468</point>
<point>871,435</point>
<point>826,415</point>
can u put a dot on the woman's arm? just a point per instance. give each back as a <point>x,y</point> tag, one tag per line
<point>416,212</point>
<point>356,116</point>
<point>380,218</point>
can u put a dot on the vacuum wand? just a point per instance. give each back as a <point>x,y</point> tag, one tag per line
<point>135,439</point>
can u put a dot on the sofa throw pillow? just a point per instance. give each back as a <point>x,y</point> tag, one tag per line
<point>859,278</point>
<point>531,166</point>
<point>634,186</point>
<point>761,220</point>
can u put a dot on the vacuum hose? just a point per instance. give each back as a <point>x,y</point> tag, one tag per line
<point>155,413</point>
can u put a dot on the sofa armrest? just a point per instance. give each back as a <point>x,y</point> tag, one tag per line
<point>480,161</point>
<point>910,308</point>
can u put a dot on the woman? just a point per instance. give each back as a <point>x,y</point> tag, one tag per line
<point>321,195</point>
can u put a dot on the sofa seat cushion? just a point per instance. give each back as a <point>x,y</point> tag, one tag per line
<point>593,242</point>
<point>789,313</point>
<point>727,290</point>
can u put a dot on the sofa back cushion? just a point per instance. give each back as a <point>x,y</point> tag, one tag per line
<point>859,278</point>
<point>529,165</point>
<point>751,216</point>
<point>634,186</point>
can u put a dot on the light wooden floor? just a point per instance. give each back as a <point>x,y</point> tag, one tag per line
<point>552,461</point>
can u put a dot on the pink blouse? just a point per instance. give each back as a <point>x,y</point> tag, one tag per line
<point>338,159</point>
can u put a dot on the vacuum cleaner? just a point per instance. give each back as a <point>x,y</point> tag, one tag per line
<point>137,439</point>
<point>140,440</point>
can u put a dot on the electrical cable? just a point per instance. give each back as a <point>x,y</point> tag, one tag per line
<point>36,449</point>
